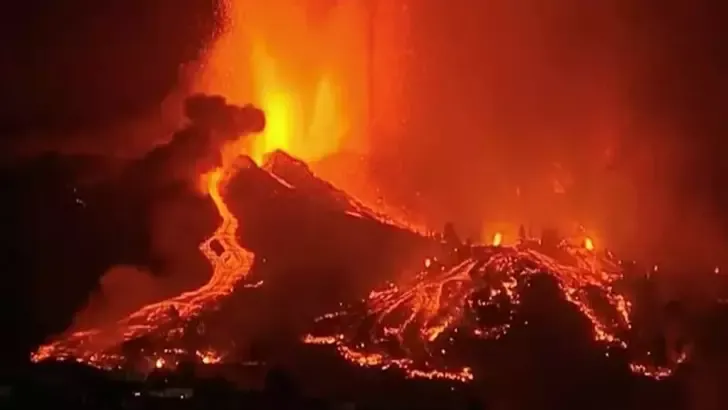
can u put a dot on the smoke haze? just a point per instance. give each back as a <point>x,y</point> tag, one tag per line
<point>558,113</point>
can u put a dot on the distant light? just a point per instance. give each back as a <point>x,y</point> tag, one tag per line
<point>159,363</point>
<point>716,270</point>
<point>428,262</point>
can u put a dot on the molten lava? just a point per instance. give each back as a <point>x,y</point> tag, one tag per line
<point>416,327</point>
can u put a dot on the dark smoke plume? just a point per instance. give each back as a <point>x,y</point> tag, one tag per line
<point>196,148</point>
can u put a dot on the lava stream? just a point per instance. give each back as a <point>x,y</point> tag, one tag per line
<point>229,268</point>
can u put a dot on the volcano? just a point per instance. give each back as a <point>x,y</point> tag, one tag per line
<point>312,245</point>
<point>286,246</point>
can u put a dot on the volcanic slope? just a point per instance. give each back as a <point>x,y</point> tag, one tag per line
<point>436,324</point>
<point>282,206</point>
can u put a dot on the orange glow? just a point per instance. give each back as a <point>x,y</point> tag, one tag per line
<point>588,244</point>
<point>304,64</point>
<point>497,239</point>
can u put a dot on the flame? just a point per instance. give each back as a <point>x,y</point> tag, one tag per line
<point>588,244</point>
<point>497,239</point>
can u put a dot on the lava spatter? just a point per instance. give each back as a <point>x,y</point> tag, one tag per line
<point>416,326</point>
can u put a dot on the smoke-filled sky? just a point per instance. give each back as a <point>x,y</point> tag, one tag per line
<point>620,102</point>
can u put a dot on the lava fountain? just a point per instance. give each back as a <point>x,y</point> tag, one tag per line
<point>303,63</point>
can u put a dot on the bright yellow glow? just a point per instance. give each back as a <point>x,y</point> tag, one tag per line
<point>497,239</point>
<point>588,244</point>
<point>303,63</point>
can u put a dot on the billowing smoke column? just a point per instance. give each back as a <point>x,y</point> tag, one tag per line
<point>196,149</point>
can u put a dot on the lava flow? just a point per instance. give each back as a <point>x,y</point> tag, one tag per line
<point>230,266</point>
<point>416,327</point>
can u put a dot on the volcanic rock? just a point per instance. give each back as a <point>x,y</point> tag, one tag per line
<point>314,234</point>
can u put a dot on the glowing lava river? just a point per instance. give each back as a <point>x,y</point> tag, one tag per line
<point>230,266</point>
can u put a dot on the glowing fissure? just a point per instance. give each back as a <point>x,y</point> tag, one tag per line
<point>229,268</point>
